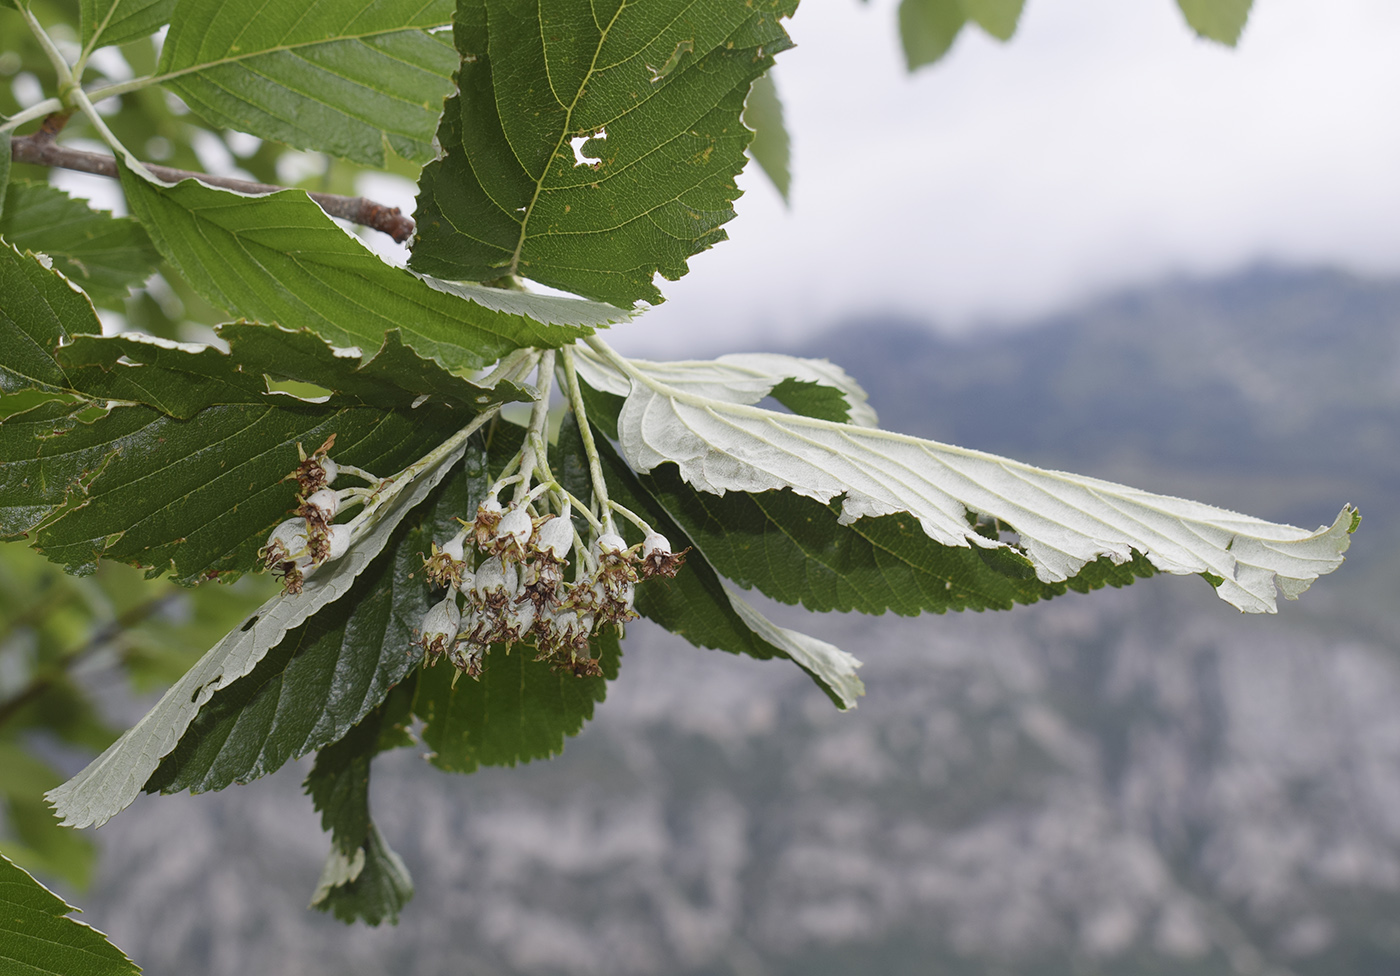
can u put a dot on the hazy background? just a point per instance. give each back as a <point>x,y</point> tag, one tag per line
<point>1107,246</point>
<point>1104,145</point>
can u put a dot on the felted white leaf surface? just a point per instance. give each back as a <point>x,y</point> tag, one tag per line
<point>737,378</point>
<point>720,444</point>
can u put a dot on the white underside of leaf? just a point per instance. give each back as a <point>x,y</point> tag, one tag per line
<point>1064,520</point>
<point>736,378</point>
<point>545,309</point>
<point>832,666</point>
<point>111,781</point>
<point>338,870</point>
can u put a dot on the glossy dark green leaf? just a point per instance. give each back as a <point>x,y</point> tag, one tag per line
<point>330,672</point>
<point>812,399</point>
<point>928,29</point>
<point>592,145</point>
<point>351,79</point>
<point>1217,20</point>
<point>377,893</point>
<point>763,113</point>
<point>794,549</point>
<point>106,256</point>
<point>176,381</point>
<point>519,710</point>
<point>39,311</point>
<point>106,22</point>
<point>280,259</point>
<point>197,497</point>
<point>338,783</point>
<point>38,939</point>
<point>394,377</point>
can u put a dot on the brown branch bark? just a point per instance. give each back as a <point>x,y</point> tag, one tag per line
<point>41,150</point>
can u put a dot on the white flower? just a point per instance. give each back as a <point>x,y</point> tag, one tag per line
<point>339,541</point>
<point>556,536</point>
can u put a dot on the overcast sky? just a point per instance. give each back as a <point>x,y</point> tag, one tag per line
<point>1105,145</point>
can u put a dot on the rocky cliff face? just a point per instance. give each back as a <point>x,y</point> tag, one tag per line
<point>1140,781</point>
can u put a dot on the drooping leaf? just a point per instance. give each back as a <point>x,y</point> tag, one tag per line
<point>280,259</point>
<point>1063,521</point>
<point>518,711</point>
<point>106,22</point>
<point>373,888</point>
<point>338,783</point>
<point>928,29</point>
<point>592,145</point>
<point>37,938</point>
<point>39,310</point>
<point>1217,20</point>
<point>997,17</point>
<point>696,604</point>
<point>106,256</point>
<point>351,79</point>
<point>330,672</point>
<point>812,387</point>
<point>110,782</point>
<point>763,113</point>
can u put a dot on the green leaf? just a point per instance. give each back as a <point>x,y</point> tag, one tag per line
<point>38,939</point>
<point>374,888</point>
<point>118,21</point>
<point>651,96</point>
<point>110,782</point>
<point>696,604</point>
<point>106,256</point>
<point>178,379</point>
<point>1217,20</point>
<point>181,379</point>
<point>39,310</point>
<point>996,17</point>
<point>280,259</point>
<point>763,113</point>
<point>393,378</point>
<point>928,29</point>
<point>517,711</point>
<point>352,79</point>
<point>796,550</point>
<point>338,783</point>
<point>197,497</point>
<point>330,672</point>
<point>46,846</point>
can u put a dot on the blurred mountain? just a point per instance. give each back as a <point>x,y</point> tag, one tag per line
<point>1134,782</point>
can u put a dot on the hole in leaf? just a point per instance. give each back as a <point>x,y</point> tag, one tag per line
<point>249,625</point>
<point>577,143</point>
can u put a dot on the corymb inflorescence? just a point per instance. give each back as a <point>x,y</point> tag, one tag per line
<point>312,537</point>
<point>508,582</point>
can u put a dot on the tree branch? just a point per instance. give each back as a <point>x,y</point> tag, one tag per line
<point>41,150</point>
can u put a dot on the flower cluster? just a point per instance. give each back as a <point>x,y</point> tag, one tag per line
<point>505,574</point>
<point>311,538</point>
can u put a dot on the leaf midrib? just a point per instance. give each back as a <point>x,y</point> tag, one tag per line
<point>564,131</point>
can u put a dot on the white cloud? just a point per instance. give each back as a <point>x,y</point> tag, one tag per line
<point>1104,145</point>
